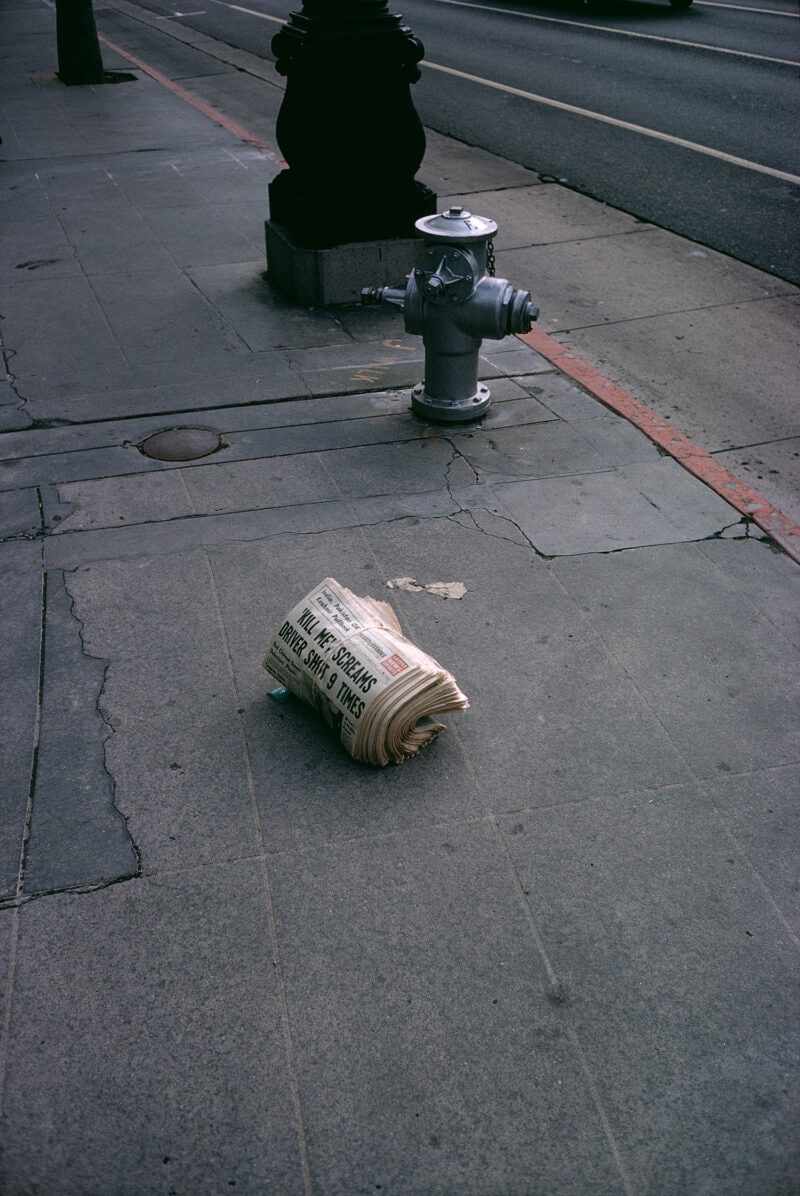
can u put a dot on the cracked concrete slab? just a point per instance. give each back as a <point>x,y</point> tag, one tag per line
<point>77,834</point>
<point>17,472</point>
<point>12,417</point>
<point>651,503</point>
<point>607,511</point>
<point>552,448</point>
<point>7,937</point>
<point>555,450</point>
<point>262,483</point>
<point>180,773</point>
<point>568,485</point>
<point>110,472</point>
<point>267,409</point>
<point>160,495</point>
<point>69,440</point>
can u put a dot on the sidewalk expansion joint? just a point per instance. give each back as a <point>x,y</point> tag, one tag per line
<point>739,448</point>
<point>35,746</point>
<point>669,313</point>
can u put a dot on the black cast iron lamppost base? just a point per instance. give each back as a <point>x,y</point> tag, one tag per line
<point>347,126</point>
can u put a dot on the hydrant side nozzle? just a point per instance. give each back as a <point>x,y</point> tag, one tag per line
<point>378,295</point>
<point>522,311</point>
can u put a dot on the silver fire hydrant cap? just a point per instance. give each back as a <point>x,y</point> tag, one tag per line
<point>456,224</point>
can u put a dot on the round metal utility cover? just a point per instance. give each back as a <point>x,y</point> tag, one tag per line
<point>456,224</point>
<point>180,444</point>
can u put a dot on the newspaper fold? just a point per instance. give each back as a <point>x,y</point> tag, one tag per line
<point>347,657</point>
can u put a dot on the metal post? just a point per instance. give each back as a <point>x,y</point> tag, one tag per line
<point>79,58</point>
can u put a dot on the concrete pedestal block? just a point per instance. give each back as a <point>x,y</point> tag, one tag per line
<point>324,277</point>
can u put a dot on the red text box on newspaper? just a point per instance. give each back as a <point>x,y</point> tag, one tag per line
<point>394,664</point>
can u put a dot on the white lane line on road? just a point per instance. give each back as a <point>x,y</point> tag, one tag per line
<point>595,28</point>
<point>250,12</point>
<point>648,37</point>
<point>764,12</point>
<point>619,124</point>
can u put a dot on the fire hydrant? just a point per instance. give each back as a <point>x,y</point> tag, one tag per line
<point>451,301</point>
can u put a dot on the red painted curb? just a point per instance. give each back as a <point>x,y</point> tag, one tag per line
<point>693,458</point>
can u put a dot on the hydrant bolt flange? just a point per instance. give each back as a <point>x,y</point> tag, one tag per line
<point>446,275</point>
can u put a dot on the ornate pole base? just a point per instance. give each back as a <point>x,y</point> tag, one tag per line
<point>347,126</point>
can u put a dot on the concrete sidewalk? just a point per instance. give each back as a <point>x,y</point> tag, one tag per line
<point>554,954</point>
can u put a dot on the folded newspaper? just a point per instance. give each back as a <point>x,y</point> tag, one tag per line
<point>347,657</point>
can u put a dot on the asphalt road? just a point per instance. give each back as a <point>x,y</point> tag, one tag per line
<point>684,119</point>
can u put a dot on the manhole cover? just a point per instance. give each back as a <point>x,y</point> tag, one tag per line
<point>180,444</point>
